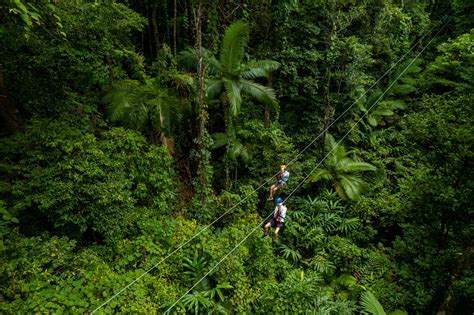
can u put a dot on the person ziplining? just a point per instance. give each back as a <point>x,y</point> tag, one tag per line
<point>283,177</point>
<point>277,221</point>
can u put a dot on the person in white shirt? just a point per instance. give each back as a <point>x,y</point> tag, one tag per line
<point>278,219</point>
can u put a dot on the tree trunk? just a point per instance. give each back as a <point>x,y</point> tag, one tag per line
<point>154,22</point>
<point>9,115</point>
<point>143,42</point>
<point>464,262</point>
<point>203,154</point>
<point>266,116</point>
<point>150,32</point>
<point>266,112</point>
<point>175,14</point>
<point>328,113</point>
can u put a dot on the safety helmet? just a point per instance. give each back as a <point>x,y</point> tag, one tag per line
<point>279,200</point>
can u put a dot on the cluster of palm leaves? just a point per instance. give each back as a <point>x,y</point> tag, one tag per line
<point>300,292</point>
<point>207,296</point>
<point>148,107</point>
<point>343,170</point>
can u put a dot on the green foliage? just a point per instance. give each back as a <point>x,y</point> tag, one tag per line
<point>300,292</point>
<point>233,75</point>
<point>42,70</point>
<point>34,14</point>
<point>452,69</point>
<point>86,208</point>
<point>146,107</point>
<point>385,103</point>
<point>74,181</point>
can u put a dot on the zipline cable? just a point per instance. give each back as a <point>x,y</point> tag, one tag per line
<point>266,181</point>
<point>309,174</point>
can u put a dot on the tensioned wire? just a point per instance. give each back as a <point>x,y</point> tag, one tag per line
<point>267,180</point>
<point>309,174</point>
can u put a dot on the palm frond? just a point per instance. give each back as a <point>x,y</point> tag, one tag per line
<point>370,304</point>
<point>235,99</point>
<point>119,97</point>
<point>215,88</point>
<point>217,291</point>
<point>195,301</point>
<point>187,59</point>
<point>321,264</point>
<point>261,93</point>
<point>341,192</point>
<point>233,45</point>
<point>237,149</point>
<point>320,174</point>
<point>351,166</point>
<point>213,65</point>
<point>298,215</point>
<point>260,69</point>
<point>333,205</point>
<point>330,221</point>
<point>329,141</point>
<point>353,186</point>
<point>346,280</point>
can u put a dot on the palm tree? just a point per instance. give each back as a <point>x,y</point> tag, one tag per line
<point>232,75</point>
<point>146,107</point>
<point>342,171</point>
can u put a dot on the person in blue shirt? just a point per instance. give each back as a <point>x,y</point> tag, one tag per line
<point>278,219</point>
<point>283,177</point>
